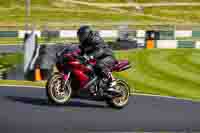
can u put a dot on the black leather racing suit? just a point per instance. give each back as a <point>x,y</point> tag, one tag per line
<point>97,48</point>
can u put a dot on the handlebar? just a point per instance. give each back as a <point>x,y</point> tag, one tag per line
<point>85,58</point>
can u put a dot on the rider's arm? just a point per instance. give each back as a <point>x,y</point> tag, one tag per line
<point>103,50</point>
<point>98,52</point>
<point>81,50</point>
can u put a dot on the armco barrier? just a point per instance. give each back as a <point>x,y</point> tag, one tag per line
<point>167,35</point>
<point>164,34</point>
<point>21,33</point>
<point>50,34</point>
<point>140,33</point>
<point>8,34</point>
<point>177,44</point>
<point>195,34</point>
<point>67,33</point>
<point>186,44</point>
<point>197,44</point>
<point>166,44</point>
<point>183,33</point>
<point>109,33</point>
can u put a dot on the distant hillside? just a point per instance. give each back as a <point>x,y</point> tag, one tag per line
<point>71,13</point>
<point>140,1</point>
<point>153,1</point>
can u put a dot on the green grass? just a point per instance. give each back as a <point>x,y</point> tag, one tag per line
<point>11,3</point>
<point>13,41</point>
<point>59,14</point>
<point>164,72</point>
<point>10,60</point>
<point>41,17</point>
<point>159,1</point>
<point>105,1</point>
<point>185,13</point>
<point>10,40</point>
<point>23,83</point>
<point>188,38</point>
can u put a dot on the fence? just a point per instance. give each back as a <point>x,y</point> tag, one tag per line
<point>166,31</point>
<point>185,35</point>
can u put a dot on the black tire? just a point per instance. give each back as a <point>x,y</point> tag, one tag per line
<point>112,101</point>
<point>52,77</point>
<point>50,90</point>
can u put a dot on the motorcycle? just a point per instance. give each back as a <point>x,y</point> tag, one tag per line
<point>76,73</point>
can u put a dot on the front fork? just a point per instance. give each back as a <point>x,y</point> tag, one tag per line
<point>66,79</point>
<point>66,76</point>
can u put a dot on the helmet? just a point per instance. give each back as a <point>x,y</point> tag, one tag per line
<point>83,33</point>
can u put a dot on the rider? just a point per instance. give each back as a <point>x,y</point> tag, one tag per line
<point>94,46</point>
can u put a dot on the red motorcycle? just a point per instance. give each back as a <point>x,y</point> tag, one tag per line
<point>76,74</point>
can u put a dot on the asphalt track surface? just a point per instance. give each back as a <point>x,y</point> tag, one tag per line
<point>26,110</point>
<point>10,48</point>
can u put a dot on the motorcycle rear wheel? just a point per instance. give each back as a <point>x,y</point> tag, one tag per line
<point>55,93</point>
<point>120,102</point>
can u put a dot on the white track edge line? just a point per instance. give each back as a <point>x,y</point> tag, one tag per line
<point>159,96</point>
<point>24,86</point>
<point>139,94</point>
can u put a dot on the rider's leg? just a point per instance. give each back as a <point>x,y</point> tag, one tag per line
<point>104,68</point>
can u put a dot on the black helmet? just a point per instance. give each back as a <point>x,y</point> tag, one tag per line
<point>83,33</point>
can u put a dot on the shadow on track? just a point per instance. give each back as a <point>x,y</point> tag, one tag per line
<point>44,102</point>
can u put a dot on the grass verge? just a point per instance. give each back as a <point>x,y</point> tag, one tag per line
<point>62,14</point>
<point>22,83</point>
<point>167,72</point>
<point>8,61</point>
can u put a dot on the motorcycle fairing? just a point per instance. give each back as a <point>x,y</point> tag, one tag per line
<point>121,65</point>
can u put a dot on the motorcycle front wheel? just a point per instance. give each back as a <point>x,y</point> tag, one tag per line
<point>120,102</point>
<point>56,91</point>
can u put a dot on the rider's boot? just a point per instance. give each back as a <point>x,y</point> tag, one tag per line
<point>111,89</point>
<point>93,91</point>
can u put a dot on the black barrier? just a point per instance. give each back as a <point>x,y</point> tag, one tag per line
<point>47,58</point>
<point>30,75</point>
<point>123,45</point>
<point>166,35</point>
<point>48,35</point>
<point>152,35</point>
<point>8,34</point>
